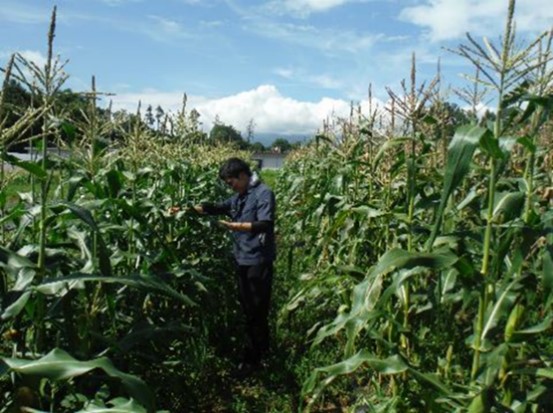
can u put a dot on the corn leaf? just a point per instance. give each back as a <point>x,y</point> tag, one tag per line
<point>366,294</point>
<point>118,405</point>
<point>481,403</point>
<point>459,158</point>
<point>501,307</point>
<point>150,284</point>
<point>315,384</point>
<point>547,277</point>
<point>508,206</point>
<point>60,366</point>
<point>31,167</point>
<point>16,307</point>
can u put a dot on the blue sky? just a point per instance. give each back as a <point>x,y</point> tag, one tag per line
<point>286,64</point>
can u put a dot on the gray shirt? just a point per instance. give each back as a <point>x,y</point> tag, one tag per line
<point>256,205</point>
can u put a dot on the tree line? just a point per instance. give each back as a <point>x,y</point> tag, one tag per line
<point>72,109</point>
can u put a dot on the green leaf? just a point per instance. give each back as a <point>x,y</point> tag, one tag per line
<point>82,213</point>
<point>528,143</point>
<point>539,328</point>
<point>387,145</point>
<point>501,308</point>
<point>150,332</point>
<point>69,129</point>
<point>115,184</point>
<point>31,167</point>
<point>547,277</point>
<point>459,158</point>
<point>22,271</point>
<point>366,294</point>
<point>430,379</point>
<point>544,372</point>
<point>13,261</point>
<point>482,402</point>
<point>59,366</point>
<point>118,405</point>
<point>401,259</point>
<point>515,95</point>
<point>508,206</point>
<point>490,145</point>
<point>16,307</point>
<point>15,213</point>
<point>85,215</point>
<point>430,120</point>
<point>391,365</point>
<point>53,285</point>
<point>535,102</point>
<point>367,211</point>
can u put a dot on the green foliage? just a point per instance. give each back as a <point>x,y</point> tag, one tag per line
<point>281,144</point>
<point>436,258</point>
<point>58,365</point>
<point>227,134</point>
<point>415,267</point>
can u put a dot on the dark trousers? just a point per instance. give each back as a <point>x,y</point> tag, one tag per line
<point>254,293</point>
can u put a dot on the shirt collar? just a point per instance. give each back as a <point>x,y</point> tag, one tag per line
<point>254,181</point>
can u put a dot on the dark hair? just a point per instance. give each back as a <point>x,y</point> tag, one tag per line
<point>232,168</point>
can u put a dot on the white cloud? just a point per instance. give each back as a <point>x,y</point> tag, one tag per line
<point>308,6</point>
<point>167,25</point>
<point>450,19</point>
<point>481,109</point>
<point>29,55</point>
<point>324,81</point>
<point>129,101</point>
<point>160,29</point>
<point>327,40</point>
<point>18,13</point>
<point>271,111</point>
<point>36,57</point>
<point>284,72</point>
<point>211,23</point>
<point>304,8</point>
<point>117,2</point>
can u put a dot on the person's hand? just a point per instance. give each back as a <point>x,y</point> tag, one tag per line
<point>233,226</point>
<point>226,224</point>
<point>173,210</point>
<point>176,209</point>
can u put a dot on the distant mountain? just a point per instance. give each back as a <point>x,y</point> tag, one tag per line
<point>268,138</point>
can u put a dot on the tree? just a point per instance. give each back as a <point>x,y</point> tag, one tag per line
<point>159,116</point>
<point>250,130</point>
<point>221,133</point>
<point>149,116</point>
<point>257,147</point>
<point>281,145</point>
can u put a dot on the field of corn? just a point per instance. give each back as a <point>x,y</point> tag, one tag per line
<point>415,242</point>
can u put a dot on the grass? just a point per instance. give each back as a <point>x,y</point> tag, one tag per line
<point>18,183</point>
<point>269,176</point>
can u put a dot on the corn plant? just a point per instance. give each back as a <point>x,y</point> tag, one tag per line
<point>95,266</point>
<point>471,333</point>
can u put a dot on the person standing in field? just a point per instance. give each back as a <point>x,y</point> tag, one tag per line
<point>251,212</point>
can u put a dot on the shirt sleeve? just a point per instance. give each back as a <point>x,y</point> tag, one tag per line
<point>266,206</point>
<point>262,226</point>
<point>221,208</point>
